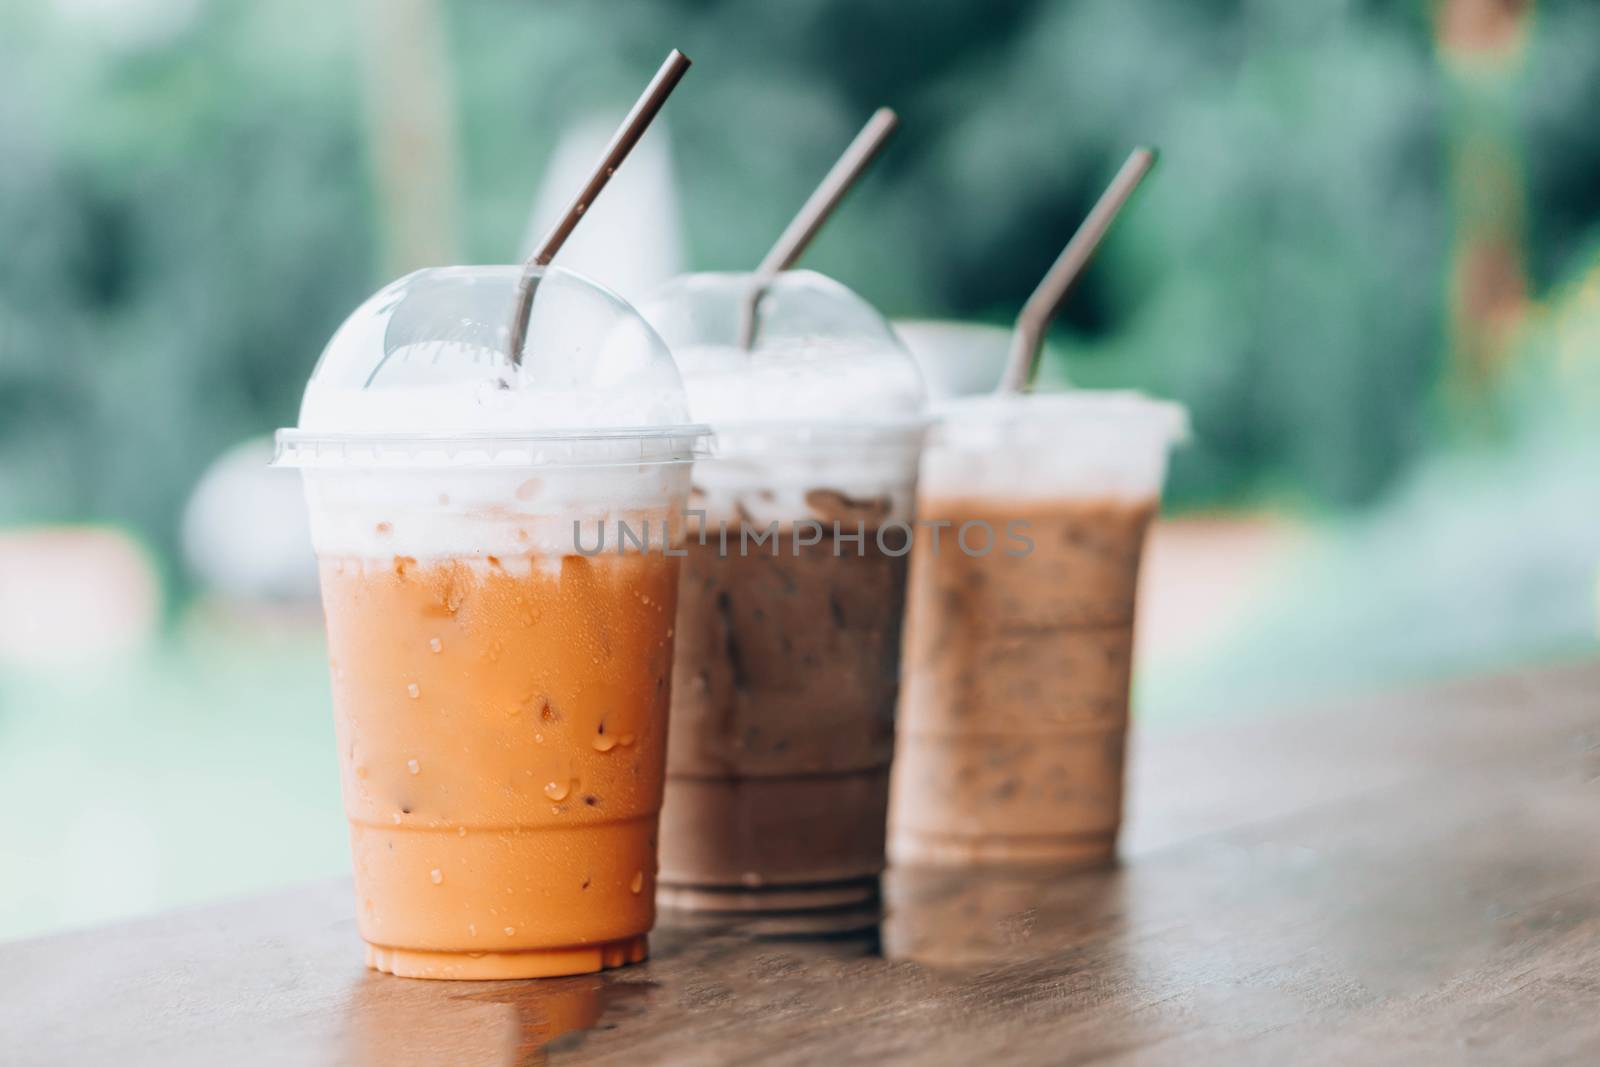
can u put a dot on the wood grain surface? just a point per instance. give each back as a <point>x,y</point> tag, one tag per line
<point>1413,879</point>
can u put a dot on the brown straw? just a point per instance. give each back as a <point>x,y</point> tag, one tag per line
<point>627,135</point>
<point>1027,339</point>
<point>816,211</point>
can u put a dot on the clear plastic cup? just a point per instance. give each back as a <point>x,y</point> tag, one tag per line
<point>790,609</point>
<point>500,678</point>
<point>1019,638</point>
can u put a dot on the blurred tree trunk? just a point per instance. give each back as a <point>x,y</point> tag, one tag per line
<point>410,105</point>
<point>1481,45</point>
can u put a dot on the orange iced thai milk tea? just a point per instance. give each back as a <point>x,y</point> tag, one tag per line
<point>498,544</point>
<point>1033,512</point>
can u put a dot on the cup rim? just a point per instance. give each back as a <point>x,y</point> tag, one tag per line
<point>1065,410</point>
<point>575,447</point>
<point>855,427</point>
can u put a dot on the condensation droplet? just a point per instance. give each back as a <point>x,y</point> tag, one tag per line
<point>413,766</point>
<point>511,931</point>
<point>397,818</point>
<point>436,644</point>
<point>437,875</point>
<point>461,831</point>
<point>638,881</point>
<point>472,929</point>
<point>557,790</point>
<point>415,690</point>
<point>604,742</point>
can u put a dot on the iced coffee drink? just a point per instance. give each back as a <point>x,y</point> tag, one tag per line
<point>1019,643</point>
<point>496,545</point>
<point>789,617</point>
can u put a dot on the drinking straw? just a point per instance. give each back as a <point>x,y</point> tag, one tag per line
<point>819,206</point>
<point>1027,338</point>
<point>633,126</point>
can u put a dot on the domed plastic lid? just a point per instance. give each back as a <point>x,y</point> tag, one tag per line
<point>822,354</point>
<point>419,374</point>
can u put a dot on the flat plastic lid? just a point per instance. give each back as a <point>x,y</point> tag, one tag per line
<point>419,375</point>
<point>822,355</point>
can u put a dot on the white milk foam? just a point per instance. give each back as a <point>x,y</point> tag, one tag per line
<point>780,477</point>
<point>516,514</point>
<point>801,415</point>
<point>1041,446</point>
<point>511,506</point>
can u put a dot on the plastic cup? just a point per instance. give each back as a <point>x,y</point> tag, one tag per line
<point>791,605</point>
<point>1019,640</point>
<point>500,680</point>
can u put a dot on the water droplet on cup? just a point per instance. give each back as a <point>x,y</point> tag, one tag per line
<point>557,790</point>
<point>436,644</point>
<point>413,766</point>
<point>638,881</point>
<point>604,742</point>
<point>511,931</point>
<point>437,875</point>
<point>415,690</point>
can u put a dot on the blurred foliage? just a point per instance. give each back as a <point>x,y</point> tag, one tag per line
<point>187,203</point>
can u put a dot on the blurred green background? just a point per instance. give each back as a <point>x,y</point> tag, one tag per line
<point>1369,263</point>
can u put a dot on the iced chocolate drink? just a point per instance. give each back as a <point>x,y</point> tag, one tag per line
<point>790,607</point>
<point>501,657</point>
<point>783,719</point>
<point>1019,638</point>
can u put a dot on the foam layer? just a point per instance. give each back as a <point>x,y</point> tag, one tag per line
<point>1048,445</point>
<point>779,474</point>
<point>520,516</point>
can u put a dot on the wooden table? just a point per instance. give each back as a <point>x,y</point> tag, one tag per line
<point>1415,879</point>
